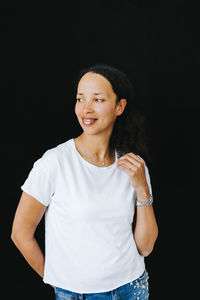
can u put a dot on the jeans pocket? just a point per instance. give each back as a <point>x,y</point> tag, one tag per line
<point>142,286</point>
<point>144,275</point>
<point>139,288</point>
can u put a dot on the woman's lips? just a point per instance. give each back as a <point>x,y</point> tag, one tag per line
<point>88,121</point>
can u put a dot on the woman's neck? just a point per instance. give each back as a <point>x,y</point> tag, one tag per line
<point>98,148</point>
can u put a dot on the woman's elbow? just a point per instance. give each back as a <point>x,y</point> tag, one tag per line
<point>19,236</point>
<point>146,249</point>
<point>15,237</point>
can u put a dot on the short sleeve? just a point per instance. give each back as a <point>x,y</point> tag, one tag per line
<point>148,179</point>
<point>39,184</point>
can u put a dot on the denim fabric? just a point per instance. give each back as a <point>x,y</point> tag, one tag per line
<point>135,290</point>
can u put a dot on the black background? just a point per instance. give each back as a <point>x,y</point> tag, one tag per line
<point>156,45</point>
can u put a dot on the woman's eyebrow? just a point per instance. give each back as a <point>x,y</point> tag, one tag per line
<point>92,93</point>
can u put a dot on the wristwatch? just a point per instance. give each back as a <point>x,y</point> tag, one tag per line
<point>148,202</point>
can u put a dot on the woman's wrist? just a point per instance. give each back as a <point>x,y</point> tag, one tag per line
<point>147,203</point>
<point>143,194</point>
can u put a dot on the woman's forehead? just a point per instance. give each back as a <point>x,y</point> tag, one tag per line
<point>94,83</point>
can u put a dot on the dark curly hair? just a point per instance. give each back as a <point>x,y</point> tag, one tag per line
<point>129,134</point>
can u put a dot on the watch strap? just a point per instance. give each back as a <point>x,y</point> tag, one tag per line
<point>148,202</point>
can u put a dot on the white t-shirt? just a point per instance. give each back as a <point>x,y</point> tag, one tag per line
<point>89,243</point>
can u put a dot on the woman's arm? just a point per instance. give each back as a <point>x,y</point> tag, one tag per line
<point>28,215</point>
<point>145,226</point>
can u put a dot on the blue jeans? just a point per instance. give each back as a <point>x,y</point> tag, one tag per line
<point>134,290</point>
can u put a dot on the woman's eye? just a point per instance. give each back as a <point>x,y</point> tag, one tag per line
<point>100,99</point>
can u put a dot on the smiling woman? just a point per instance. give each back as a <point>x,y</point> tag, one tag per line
<point>128,134</point>
<point>95,191</point>
<point>96,117</point>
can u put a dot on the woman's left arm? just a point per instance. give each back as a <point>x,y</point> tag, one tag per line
<point>145,229</point>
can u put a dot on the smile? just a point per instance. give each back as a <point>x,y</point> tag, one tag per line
<point>88,121</point>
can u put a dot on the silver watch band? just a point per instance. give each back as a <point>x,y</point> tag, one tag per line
<point>148,202</point>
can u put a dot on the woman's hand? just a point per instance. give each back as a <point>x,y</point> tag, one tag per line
<point>134,166</point>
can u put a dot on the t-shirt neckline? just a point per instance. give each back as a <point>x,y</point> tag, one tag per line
<point>90,164</point>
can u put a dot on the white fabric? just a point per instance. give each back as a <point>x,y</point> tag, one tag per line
<point>89,244</point>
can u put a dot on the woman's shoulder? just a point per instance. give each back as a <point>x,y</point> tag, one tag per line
<point>53,155</point>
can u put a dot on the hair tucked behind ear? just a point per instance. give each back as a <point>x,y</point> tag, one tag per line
<point>129,134</point>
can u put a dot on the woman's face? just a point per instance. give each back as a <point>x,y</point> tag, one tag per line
<point>96,100</point>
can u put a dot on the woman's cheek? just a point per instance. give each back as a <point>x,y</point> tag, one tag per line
<point>104,111</point>
<point>77,110</point>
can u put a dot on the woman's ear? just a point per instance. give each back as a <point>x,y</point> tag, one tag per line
<point>121,106</point>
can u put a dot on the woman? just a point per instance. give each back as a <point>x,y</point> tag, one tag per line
<point>96,194</point>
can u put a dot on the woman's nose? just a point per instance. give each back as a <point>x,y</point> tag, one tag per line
<point>87,107</point>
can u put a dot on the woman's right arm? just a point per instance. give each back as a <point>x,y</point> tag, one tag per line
<point>28,215</point>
